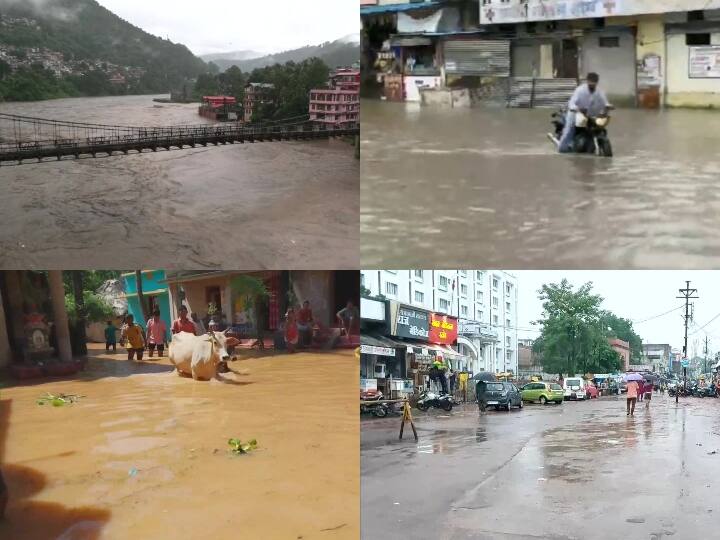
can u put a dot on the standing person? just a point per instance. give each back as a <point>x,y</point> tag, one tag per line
<point>632,394</point>
<point>156,334</point>
<point>305,324</point>
<point>291,330</point>
<point>348,317</point>
<point>182,323</point>
<point>480,389</point>
<point>453,379</point>
<point>111,336</point>
<point>135,341</point>
<point>199,326</point>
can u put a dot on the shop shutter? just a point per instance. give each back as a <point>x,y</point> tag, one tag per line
<point>489,58</point>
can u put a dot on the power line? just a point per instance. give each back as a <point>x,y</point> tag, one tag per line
<point>660,315</point>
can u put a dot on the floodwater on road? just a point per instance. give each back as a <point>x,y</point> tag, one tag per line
<point>257,206</point>
<point>574,471</point>
<point>144,454</point>
<point>483,187</point>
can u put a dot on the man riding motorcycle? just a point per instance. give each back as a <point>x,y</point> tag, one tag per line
<point>587,99</point>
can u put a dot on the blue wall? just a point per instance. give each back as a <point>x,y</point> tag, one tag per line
<point>150,282</point>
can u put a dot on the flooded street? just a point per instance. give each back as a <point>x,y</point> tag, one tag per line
<point>259,205</point>
<point>577,470</point>
<point>144,454</point>
<point>446,187</point>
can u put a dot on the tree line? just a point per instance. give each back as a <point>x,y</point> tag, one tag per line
<point>575,330</point>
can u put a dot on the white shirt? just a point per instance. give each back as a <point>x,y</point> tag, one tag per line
<point>595,102</point>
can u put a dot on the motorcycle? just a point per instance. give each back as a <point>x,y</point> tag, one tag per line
<point>429,399</point>
<point>591,135</point>
<point>380,410</point>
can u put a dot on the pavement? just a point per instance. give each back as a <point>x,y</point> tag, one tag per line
<point>578,470</point>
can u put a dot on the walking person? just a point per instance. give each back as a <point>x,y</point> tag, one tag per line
<point>111,336</point>
<point>135,340</point>
<point>632,394</point>
<point>648,389</point>
<point>641,390</point>
<point>156,334</point>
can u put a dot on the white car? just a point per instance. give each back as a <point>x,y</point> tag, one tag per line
<point>574,388</point>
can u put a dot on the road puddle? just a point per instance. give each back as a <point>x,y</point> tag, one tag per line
<point>145,453</point>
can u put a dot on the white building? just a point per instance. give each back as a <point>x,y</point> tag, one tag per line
<point>484,301</point>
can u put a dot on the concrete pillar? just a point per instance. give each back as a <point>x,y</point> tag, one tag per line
<point>5,350</point>
<point>227,304</point>
<point>62,329</point>
<point>546,61</point>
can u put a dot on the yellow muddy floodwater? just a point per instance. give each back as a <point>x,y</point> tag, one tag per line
<point>144,453</point>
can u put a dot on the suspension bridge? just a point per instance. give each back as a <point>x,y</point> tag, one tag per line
<point>25,139</point>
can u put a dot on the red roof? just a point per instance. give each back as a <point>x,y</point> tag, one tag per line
<point>220,100</point>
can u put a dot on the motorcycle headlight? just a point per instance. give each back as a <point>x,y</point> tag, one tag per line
<point>602,121</point>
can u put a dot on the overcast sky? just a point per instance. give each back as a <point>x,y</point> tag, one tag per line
<point>212,26</point>
<point>637,295</point>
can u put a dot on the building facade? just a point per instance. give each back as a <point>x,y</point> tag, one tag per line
<point>623,349</point>
<point>649,53</point>
<point>256,95</point>
<point>484,302</point>
<point>339,104</point>
<point>659,356</point>
<point>155,293</point>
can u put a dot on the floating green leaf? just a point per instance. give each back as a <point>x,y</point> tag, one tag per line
<point>239,447</point>
<point>57,400</point>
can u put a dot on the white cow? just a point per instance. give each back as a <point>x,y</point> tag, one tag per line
<point>199,356</point>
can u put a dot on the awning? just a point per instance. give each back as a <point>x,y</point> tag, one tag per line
<point>379,345</point>
<point>145,293</point>
<point>397,8</point>
<point>431,348</point>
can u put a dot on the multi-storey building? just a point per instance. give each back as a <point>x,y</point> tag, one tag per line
<point>484,302</point>
<point>257,94</point>
<point>339,104</point>
<point>658,355</point>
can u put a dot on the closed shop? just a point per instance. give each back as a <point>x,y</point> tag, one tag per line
<point>611,54</point>
<point>486,58</point>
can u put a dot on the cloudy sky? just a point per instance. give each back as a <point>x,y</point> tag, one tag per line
<point>212,26</point>
<point>637,295</point>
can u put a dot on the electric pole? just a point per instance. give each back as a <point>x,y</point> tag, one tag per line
<point>687,294</point>
<point>706,353</point>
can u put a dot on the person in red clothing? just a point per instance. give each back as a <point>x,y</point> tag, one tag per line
<point>648,389</point>
<point>183,324</point>
<point>640,390</point>
<point>305,324</point>
<point>291,330</point>
<point>155,332</point>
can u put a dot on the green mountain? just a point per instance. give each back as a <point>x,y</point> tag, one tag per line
<point>82,46</point>
<point>339,53</point>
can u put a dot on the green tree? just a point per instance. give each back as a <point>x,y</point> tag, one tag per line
<point>623,329</point>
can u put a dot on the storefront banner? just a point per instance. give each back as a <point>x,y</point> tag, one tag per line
<point>443,329</point>
<point>410,323</point>
<point>406,24</point>
<point>547,10</point>
<point>378,351</point>
<point>704,62</point>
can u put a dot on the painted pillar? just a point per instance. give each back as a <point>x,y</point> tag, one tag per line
<point>227,304</point>
<point>546,61</point>
<point>651,61</point>
<point>62,329</point>
<point>5,350</point>
<point>15,303</point>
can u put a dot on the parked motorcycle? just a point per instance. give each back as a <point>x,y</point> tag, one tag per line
<point>378,409</point>
<point>429,399</point>
<point>591,135</point>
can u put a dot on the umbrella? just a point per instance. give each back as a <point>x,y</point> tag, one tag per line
<point>484,376</point>
<point>651,377</point>
<point>633,377</point>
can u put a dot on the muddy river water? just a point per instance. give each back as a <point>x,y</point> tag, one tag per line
<point>483,187</point>
<point>144,453</point>
<point>264,205</point>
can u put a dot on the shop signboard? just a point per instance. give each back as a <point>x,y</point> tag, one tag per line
<point>408,322</point>
<point>368,384</point>
<point>378,351</point>
<point>704,62</point>
<point>443,329</point>
<point>373,310</point>
<point>515,11</point>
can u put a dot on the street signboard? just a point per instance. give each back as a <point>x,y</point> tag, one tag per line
<point>685,362</point>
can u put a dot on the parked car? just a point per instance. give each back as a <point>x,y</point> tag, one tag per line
<point>543,392</point>
<point>623,387</point>
<point>591,391</point>
<point>502,394</point>
<point>574,388</point>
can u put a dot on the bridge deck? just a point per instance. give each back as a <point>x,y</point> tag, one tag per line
<point>142,140</point>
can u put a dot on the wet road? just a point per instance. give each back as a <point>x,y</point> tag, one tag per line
<point>571,471</point>
<point>145,455</point>
<point>270,205</point>
<point>483,187</point>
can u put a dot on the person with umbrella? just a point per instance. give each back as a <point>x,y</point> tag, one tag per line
<point>648,386</point>
<point>632,391</point>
